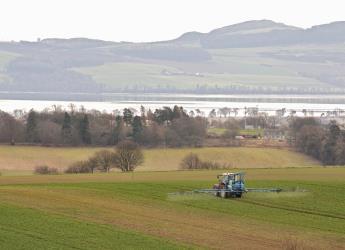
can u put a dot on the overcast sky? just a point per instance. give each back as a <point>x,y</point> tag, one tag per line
<point>151,20</point>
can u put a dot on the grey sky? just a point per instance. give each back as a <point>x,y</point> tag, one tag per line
<point>151,20</point>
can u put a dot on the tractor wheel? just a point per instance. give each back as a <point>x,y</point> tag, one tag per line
<point>223,194</point>
<point>239,195</point>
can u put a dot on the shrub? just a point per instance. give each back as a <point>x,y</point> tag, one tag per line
<point>230,134</point>
<point>192,161</point>
<point>79,167</point>
<point>45,170</point>
<point>214,165</point>
<point>232,124</point>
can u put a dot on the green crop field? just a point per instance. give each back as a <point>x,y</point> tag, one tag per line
<point>32,229</point>
<point>145,210</point>
<point>216,131</point>
<point>5,58</point>
<point>23,159</point>
<point>228,67</point>
<point>123,75</point>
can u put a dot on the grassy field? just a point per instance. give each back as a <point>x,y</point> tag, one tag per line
<point>143,211</point>
<point>23,159</point>
<point>39,230</point>
<point>221,131</point>
<point>258,132</point>
<point>123,75</point>
<point>228,67</point>
<point>5,58</point>
<point>216,131</point>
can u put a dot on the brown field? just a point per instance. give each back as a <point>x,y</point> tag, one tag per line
<point>23,159</point>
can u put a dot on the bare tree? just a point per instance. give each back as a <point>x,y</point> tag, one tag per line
<point>49,133</point>
<point>253,111</point>
<point>7,127</point>
<point>212,113</point>
<point>280,112</point>
<point>105,160</point>
<point>224,111</point>
<point>305,112</point>
<point>19,114</point>
<point>82,109</point>
<point>56,108</point>
<point>92,163</point>
<point>198,112</point>
<point>191,113</point>
<point>72,108</point>
<point>293,112</point>
<point>128,156</point>
<point>235,110</point>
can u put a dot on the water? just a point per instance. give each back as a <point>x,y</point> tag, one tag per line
<point>205,103</point>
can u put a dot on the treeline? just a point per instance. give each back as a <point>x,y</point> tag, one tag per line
<point>325,143</point>
<point>163,127</point>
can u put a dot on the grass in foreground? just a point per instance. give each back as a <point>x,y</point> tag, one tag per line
<point>24,228</point>
<point>142,202</point>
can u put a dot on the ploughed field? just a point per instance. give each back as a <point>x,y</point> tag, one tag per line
<point>145,210</point>
<point>23,159</point>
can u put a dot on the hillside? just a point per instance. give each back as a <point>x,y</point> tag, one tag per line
<point>251,57</point>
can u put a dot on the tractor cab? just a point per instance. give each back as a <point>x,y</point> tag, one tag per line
<point>230,185</point>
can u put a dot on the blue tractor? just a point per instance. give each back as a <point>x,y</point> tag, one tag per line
<point>230,185</point>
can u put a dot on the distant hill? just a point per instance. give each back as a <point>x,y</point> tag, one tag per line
<point>251,57</point>
<point>268,33</point>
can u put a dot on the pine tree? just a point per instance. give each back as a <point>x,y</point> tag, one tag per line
<point>127,116</point>
<point>328,149</point>
<point>84,130</point>
<point>143,114</point>
<point>67,129</point>
<point>118,133</point>
<point>31,127</point>
<point>334,132</point>
<point>137,128</point>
